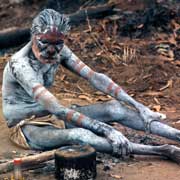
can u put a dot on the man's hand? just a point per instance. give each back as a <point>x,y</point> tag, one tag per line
<point>120,144</point>
<point>149,116</point>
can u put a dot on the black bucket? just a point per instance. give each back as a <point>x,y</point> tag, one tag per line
<point>77,162</point>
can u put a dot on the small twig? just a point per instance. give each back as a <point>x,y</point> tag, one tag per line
<point>82,91</point>
<point>74,92</point>
<point>88,21</point>
<point>104,48</point>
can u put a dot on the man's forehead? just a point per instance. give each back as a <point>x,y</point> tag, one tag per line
<point>51,33</point>
<point>51,28</point>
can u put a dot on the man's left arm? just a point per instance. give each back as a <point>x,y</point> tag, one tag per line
<point>105,84</point>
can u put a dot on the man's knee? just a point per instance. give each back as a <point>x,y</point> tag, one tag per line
<point>42,138</point>
<point>8,115</point>
<point>115,109</point>
<point>80,134</point>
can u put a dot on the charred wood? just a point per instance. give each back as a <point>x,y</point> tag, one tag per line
<point>140,23</point>
<point>70,6</point>
<point>92,13</point>
<point>15,37</point>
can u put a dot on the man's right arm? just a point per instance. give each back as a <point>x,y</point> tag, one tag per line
<point>120,143</point>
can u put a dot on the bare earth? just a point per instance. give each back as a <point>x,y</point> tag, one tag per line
<point>136,168</point>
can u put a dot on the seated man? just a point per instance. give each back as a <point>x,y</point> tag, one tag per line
<point>28,106</point>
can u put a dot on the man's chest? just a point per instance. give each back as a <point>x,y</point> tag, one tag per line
<point>48,75</point>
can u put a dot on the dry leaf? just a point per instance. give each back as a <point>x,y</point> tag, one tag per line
<point>80,88</point>
<point>100,53</point>
<point>147,76</point>
<point>157,108</point>
<point>175,24</point>
<point>99,93</point>
<point>133,79</point>
<point>116,176</point>
<point>140,26</point>
<point>62,77</point>
<point>165,58</point>
<point>172,40</point>
<point>156,100</point>
<point>170,109</point>
<point>171,54</point>
<point>169,84</point>
<point>177,63</point>
<point>85,98</point>
<point>176,124</point>
<point>102,98</point>
<point>153,93</point>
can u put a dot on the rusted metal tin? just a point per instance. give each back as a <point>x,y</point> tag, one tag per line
<point>77,162</point>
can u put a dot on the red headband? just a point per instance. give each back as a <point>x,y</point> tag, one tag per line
<point>53,34</point>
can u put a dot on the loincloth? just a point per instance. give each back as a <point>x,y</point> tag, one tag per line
<point>17,136</point>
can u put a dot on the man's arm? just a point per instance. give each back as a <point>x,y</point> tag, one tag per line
<point>105,84</point>
<point>98,80</point>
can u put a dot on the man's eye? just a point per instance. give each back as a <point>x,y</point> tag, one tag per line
<point>42,45</point>
<point>59,46</point>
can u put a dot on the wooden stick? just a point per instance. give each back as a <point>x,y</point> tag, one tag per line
<point>28,161</point>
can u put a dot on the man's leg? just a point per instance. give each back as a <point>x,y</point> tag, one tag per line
<point>114,111</point>
<point>14,113</point>
<point>45,138</point>
<point>49,137</point>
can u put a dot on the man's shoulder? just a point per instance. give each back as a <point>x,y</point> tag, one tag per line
<point>19,63</point>
<point>20,58</point>
<point>22,54</point>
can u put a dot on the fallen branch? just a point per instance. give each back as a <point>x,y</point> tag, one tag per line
<point>28,162</point>
<point>13,37</point>
<point>92,13</point>
<point>139,23</point>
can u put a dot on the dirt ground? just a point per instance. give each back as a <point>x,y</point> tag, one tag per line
<point>147,74</point>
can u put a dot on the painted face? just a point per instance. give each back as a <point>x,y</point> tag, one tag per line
<point>47,46</point>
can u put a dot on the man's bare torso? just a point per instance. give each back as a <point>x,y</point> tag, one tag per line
<point>24,65</point>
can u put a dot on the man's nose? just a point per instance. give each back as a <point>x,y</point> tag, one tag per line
<point>50,50</point>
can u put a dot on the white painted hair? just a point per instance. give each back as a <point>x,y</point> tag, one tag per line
<point>48,18</point>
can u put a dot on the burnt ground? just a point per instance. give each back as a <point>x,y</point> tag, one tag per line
<point>140,65</point>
